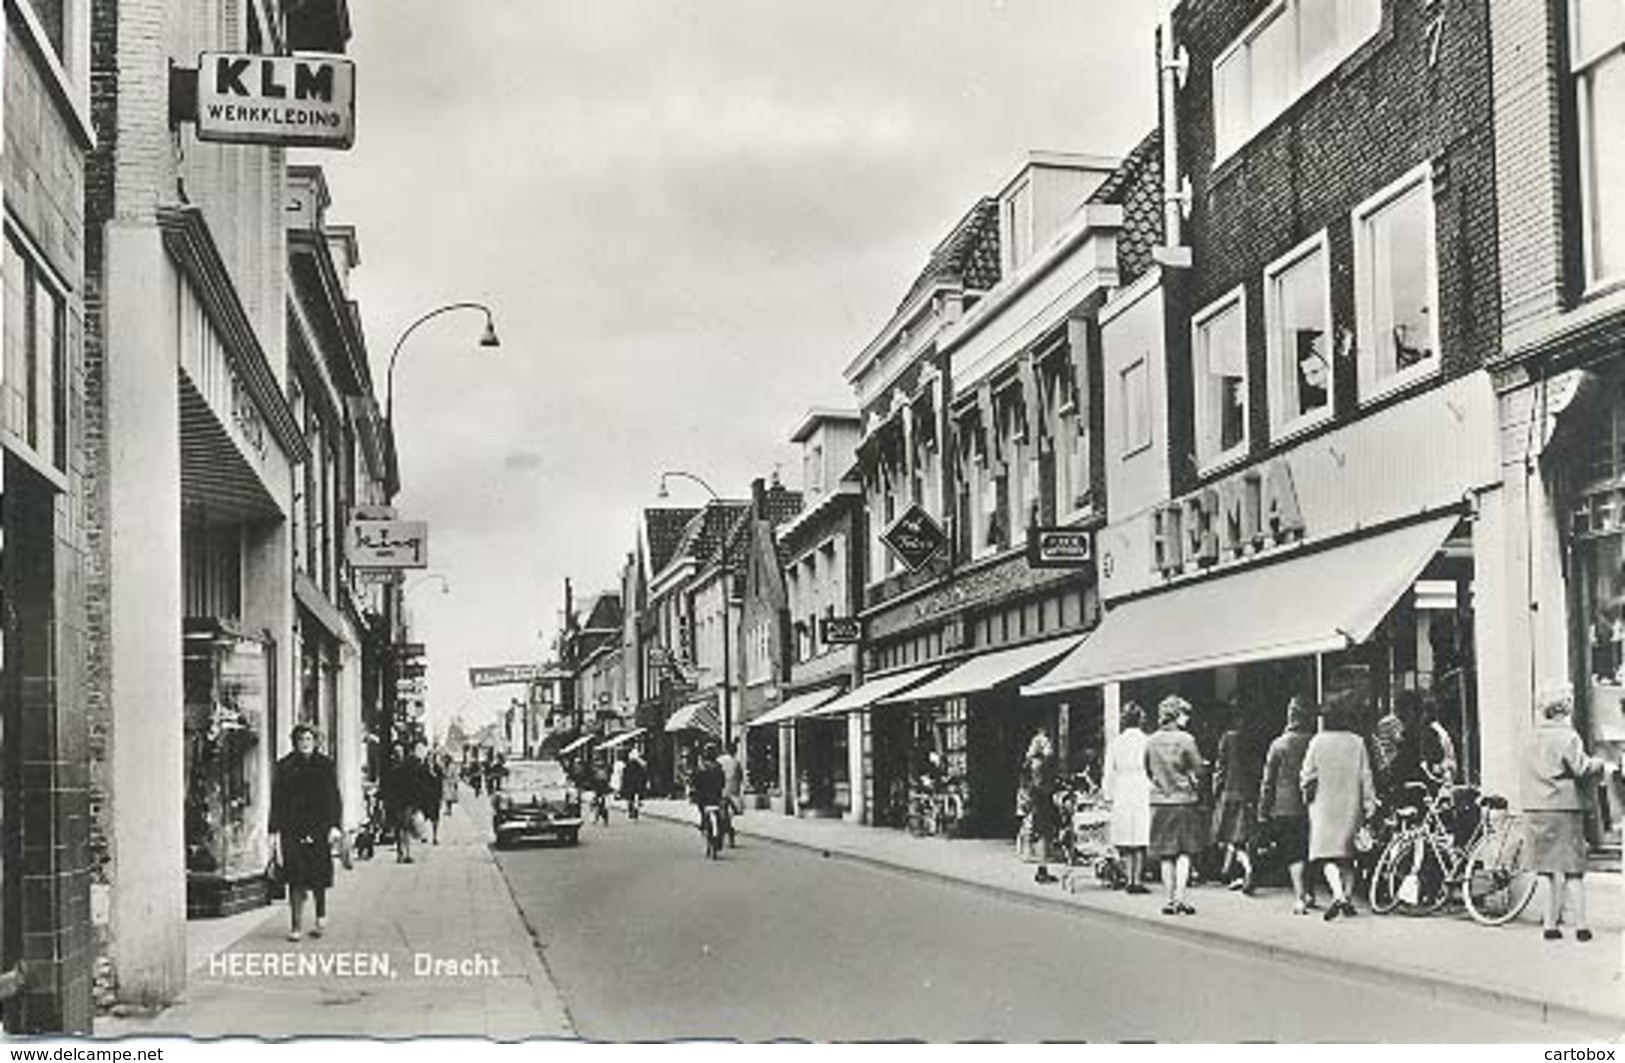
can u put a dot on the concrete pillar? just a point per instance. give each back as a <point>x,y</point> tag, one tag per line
<point>1111,718</point>
<point>858,812</point>
<point>148,921</point>
<point>350,748</point>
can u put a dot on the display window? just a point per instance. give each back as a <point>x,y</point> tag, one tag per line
<point>227,681</point>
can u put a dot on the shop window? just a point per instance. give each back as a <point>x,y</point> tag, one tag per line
<point>1396,285</point>
<point>1219,372</point>
<point>32,372</point>
<point>1298,315</point>
<point>1598,49</point>
<point>1281,56</point>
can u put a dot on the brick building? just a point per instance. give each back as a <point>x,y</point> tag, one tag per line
<point>47,454</point>
<point>1559,113</point>
<point>1324,308</point>
<point>190,514</point>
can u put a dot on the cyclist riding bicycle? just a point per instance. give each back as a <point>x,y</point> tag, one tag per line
<point>706,788</point>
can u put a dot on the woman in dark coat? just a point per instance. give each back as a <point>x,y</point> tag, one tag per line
<point>305,816</point>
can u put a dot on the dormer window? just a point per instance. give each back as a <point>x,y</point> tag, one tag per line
<point>1017,237</point>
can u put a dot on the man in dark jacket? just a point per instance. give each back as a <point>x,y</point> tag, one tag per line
<point>305,822</point>
<point>707,786</point>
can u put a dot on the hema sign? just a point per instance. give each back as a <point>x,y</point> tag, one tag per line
<point>294,100</point>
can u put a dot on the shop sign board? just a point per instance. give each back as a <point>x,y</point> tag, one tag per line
<point>409,649</point>
<point>1059,548</point>
<point>288,100</point>
<point>387,544</point>
<point>1238,516</point>
<point>505,674</point>
<point>914,537</point>
<point>840,630</point>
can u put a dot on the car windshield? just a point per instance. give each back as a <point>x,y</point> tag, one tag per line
<point>542,777</point>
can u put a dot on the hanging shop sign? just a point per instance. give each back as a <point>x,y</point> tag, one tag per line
<point>506,674</point>
<point>914,537</point>
<point>1059,548</point>
<point>288,100</point>
<point>840,630</point>
<point>387,544</point>
<point>1238,517</point>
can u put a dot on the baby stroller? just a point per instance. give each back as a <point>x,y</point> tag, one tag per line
<point>1085,840</point>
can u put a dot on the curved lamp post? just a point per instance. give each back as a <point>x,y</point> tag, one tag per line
<point>409,587</point>
<point>488,338</point>
<point>727,602</point>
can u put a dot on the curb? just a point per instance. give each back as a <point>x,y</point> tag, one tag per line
<point>1437,987</point>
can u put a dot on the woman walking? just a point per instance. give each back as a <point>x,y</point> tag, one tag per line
<point>1038,782</point>
<point>304,825</point>
<point>1235,785</point>
<point>1556,773</point>
<point>1340,795</point>
<point>1178,826</point>
<point>1128,788</point>
<point>1282,816</point>
<point>448,784</point>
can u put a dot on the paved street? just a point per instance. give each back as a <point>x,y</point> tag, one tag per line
<point>648,940</point>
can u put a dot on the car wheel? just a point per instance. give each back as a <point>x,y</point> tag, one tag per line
<point>572,837</point>
<point>503,842</point>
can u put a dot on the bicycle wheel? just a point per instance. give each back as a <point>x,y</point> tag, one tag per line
<point>1498,881</point>
<point>1384,886</point>
<point>1420,885</point>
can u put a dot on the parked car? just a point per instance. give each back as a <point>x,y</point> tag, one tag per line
<point>537,800</point>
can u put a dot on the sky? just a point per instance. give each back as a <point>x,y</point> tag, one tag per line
<point>687,216</point>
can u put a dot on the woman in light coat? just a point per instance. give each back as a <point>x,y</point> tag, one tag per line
<point>1127,786</point>
<point>1340,795</point>
<point>1556,770</point>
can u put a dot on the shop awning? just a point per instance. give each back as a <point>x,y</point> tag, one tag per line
<point>988,670</point>
<point>872,691</point>
<point>620,739</point>
<point>799,705</point>
<point>1316,603</point>
<point>577,744</point>
<point>697,716</point>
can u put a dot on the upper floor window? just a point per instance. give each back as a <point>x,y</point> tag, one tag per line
<point>53,19</point>
<point>1396,284</point>
<point>1297,316</point>
<point>1219,373</point>
<point>1286,50</point>
<point>32,370</point>
<point>1598,48</point>
<point>1134,387</point>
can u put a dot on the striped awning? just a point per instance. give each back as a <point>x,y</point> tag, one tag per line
<point>620,739</point>
<point>796,706</point>
<point>577,744</point>
<point>698,715</point>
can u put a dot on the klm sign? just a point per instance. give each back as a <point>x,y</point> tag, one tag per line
<point>304,101</point>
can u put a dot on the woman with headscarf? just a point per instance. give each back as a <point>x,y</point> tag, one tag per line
<point>304,825</point>
<point>1178,826</point>
<point>1283,818</point>
<point>1339,792</point>
<point>1556,770</point>
<point>1126,785</point>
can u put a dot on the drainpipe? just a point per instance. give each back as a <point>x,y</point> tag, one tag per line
<point>1174,64</point>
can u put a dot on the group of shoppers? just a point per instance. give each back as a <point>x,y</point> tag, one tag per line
<point>627,778</point>
<point>1305,797</point>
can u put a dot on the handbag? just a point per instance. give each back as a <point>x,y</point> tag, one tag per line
<point>420,825</point>
<point>276,885</point>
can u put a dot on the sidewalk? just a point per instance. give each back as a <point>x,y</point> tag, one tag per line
<point>1510,969</point>
<point>452,904</point>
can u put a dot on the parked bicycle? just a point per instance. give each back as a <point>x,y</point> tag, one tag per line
<point>1457,844</point>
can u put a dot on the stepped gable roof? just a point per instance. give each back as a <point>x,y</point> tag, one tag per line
<point>665,528</point>
<point>968,254</point>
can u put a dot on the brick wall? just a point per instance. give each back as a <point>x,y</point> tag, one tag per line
<point>48,850</point>
<point>1388,108</point>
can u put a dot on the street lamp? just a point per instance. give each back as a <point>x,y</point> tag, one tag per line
<point>488,338</point>
<point>412,585</point>
<point>727,602</point>
<point>394,603</point>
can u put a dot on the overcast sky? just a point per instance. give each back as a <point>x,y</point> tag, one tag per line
<point>688,216</point>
